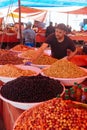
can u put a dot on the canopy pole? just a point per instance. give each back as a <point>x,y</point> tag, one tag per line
<point>20,32</point>
<point>49,16</point>
<point>67,18</point>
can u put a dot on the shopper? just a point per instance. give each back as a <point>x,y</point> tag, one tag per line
<point>29,35</point>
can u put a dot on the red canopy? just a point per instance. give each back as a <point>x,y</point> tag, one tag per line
<point>78,11</point>
<point>33,13</point>
<point>28,10</point>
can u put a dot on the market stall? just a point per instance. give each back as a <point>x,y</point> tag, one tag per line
<point>10,110</point>
<point>11,113</point>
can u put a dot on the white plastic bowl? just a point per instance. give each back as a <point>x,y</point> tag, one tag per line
<point>24,106</point>
<point>24,67</point>
<point>71,81</point>
<point>19,105</point>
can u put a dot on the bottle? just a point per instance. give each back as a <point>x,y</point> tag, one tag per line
<point>84,96</point>
<point>66,97</point>
<point>66,93</point>
<point>79,93</point>
<point>72,95</point>
<point>71,89</point>
<point>75,86</point>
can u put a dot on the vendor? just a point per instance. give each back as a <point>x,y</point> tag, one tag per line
<point>59,43</point>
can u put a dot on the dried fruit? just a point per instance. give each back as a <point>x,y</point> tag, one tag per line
<point>55,114</point>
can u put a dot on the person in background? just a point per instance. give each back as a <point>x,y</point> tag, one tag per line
<point>59,43</point>
<point>17,30</point>
<point>55,25</point>
<point>29,35</point>
<point>35,28</point>
<point>81,26</point>
<point>50,29</point>
<point>69,28</point>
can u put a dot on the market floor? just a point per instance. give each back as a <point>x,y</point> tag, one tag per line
<point>2,127</point>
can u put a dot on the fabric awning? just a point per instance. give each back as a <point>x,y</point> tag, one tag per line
<point>28,10</point>
<point>78,11</point>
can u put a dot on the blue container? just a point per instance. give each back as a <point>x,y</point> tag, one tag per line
<point>30,44</point>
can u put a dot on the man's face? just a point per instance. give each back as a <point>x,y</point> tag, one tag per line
<point>59,34</point>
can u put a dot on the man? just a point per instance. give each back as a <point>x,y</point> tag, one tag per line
<point>50,29</point>
<point>59,43</point>
<point>29,35</point>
